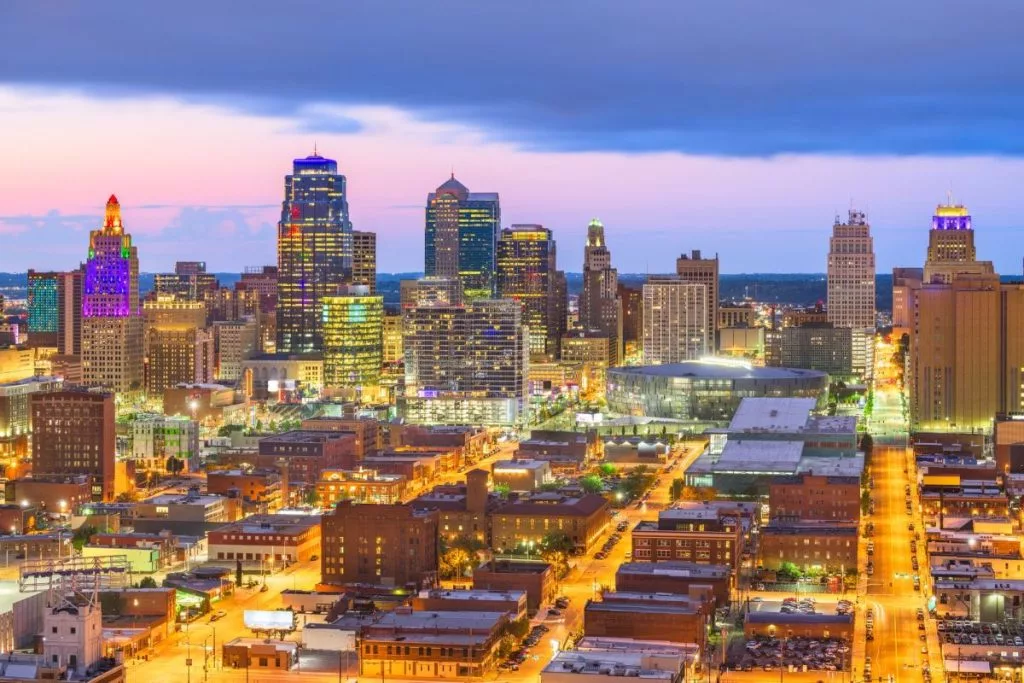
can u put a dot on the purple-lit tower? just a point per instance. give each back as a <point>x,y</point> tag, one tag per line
<point>111,287</point>
<point>112,354</point>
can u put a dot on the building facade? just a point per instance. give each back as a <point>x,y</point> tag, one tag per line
<point>675,320</point>
<point>73,433</point>
<point>461,237</point>
<point>353,332</point>
<point>526,266</point>
<point>851,273</point>
<point>819,347</point>
<point>599,303</point>
<point>696,269</point>
<point>112,353</point>
<point>314,251</point>
<point>364,259</point>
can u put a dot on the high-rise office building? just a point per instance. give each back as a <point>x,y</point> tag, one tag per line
<point>461,237</point>
<point>600,305</point>
<point>967,344</point>
<point>703,271</point>
<point>675,320</point>
<point>44,289</point>
<point>905,282</point>
<point>851,273</point>
<point>632,299</point>
<point>526,273</point>
<point>314,251</point>
<point>73,433</point>
<point>951,249</point>
<point>188,281</point>
<point>465,363</point>
<point>178,347</point>
<point>851,289</point>
<point>235,341</point>
<point>353,338</point>
<point>111,324</point>
<point>392,326</point>
<point>364,259</point>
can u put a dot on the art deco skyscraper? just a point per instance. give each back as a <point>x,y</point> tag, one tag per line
<point>851,273</point>
<point>461,236</point>
<point>526,273</point>
<point>599,304</point>
<point>951,246</point>
<point>314,251</point>
<point>111,322</point>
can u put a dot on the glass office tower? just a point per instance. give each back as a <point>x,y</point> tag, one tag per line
<point>461,233</point>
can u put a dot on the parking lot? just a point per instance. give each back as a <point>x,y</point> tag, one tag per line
<point>963,632</point>
<point>794,654</point>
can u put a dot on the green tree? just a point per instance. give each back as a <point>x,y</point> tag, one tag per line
<point>591,484</point>
<point>238,572</point>
<point>502,490</point>
<point>606,469</point>
<point>147,582</point>
<point>459,556</point>
<point>789,572</point>
<point>312,496</point>
<point>556,547</point>
<point>675,489</point>
<point>82,535</point>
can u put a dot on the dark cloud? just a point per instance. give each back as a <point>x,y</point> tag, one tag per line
<point>732,77</point>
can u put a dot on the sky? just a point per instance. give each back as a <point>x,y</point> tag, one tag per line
<point>734,127</point>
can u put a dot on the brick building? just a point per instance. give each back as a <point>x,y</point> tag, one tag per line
<point>531,518</point>
<point>678,578</point>
<point>536,578</point>
<point>831,546</point>
<point>369,440</point>
<point>306,453</point>
<point>394,545</point>
<point>709,534</point>
<point>73,433</point>
<point>259,488</point>
<point>647,616</point>
<point>360,486</point>
<point>810,496</point>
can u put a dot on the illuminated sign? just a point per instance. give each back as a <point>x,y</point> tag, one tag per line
<point>269,620</point>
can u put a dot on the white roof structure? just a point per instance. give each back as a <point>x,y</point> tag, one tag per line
<point>772,414</point>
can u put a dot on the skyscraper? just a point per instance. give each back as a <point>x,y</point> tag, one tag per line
<point>461,236</point>
<point>111,324</point>
<point>178,346</point>
<point>43,308</point>
<point>967,344</point>
<point>526,273</point>
<point>951,246</point>
<point>188,281</point>
<point>600,305</point>
<point>674,320</point>
<point>851,273</point>
<point>364,259</point>
<point>905,283</point>
<point>314,251</point>
<point>465,363</point>
<point>703,271</point>
<point>851,288</point>
<point>353,338</point>
<point>73,433</point>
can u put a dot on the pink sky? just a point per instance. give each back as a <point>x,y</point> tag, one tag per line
<point>212,179</point>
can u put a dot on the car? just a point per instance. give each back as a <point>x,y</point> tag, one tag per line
<point>920,626</point>
<point>910,527</point>
<point>920,614</point>
<point>629,555</point>
<point>219,614</point>
<point>869,635</point>
<point>554,612</point>
<point>757,598</point>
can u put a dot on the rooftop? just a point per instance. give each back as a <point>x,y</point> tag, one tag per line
<point>717,369</point>
<point>680,570</point>
<point>474,594</point>
<point>204,499</point>
<point>505,465</point>
<point>772,414</point>
<point>305,436</point>
<point>622,663</point>
<point>798,618</point>
<point>556,504</point>
<point>441,620</point>
<point>276,524</point>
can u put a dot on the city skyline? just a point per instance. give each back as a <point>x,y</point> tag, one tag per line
<point>194,152</point>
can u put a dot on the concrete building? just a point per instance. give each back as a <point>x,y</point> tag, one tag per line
<point>527,273</point>
<point>16,418</point>
<point>178,347</point>
<point>359,542</point>
<point>851,287</point>
<point>73,433</point>
<point>267,540</point>
<point>675,320</point>
<point>595,659</point>
<point>155,439</point>
<point>279,373</point>
<point>364,260</point>
<point>521,475</point>
<point>599,305</point>
<point>905,283</point>
<point>235,341</point>
<point>698,270</point>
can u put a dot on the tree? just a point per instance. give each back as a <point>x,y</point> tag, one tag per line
<point>238,572</point>
<point>147,582</point>
<point>591,484</point>
<point>700,494</point>
<point>867,444</point>
<point>788,572</point>
<point>175,465</point>
<point>312,496</point>
<point>606,469</point>
<point>459,555</point>
<point>502,490</point>
<point>675,489</point>
<point>82,535</point>
<point>556,547</point>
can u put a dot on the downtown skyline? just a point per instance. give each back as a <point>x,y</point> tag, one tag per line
<point>751,170</point>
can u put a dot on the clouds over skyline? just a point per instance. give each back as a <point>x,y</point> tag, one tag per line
<point>729,127</point>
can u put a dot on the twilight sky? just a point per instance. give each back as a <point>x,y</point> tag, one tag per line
<point>731,126</point>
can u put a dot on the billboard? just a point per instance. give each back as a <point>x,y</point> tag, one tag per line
<point>269,620</point>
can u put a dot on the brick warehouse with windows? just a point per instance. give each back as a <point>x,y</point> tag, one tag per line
<point>379,545</point>
<point>709,534</point>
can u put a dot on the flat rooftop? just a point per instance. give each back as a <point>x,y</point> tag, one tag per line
<point>292,525</point>
<point>610,664</point>
<point>505,465</point>
<point>717,369</point>
<point>474,594</point>
<point>204,499</point>
<point>679,570</point>
<point>435,620</point>
<point>772,414</point>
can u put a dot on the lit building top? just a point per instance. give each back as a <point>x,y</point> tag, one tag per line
<point>951,217</point>
<point>111,282</point>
